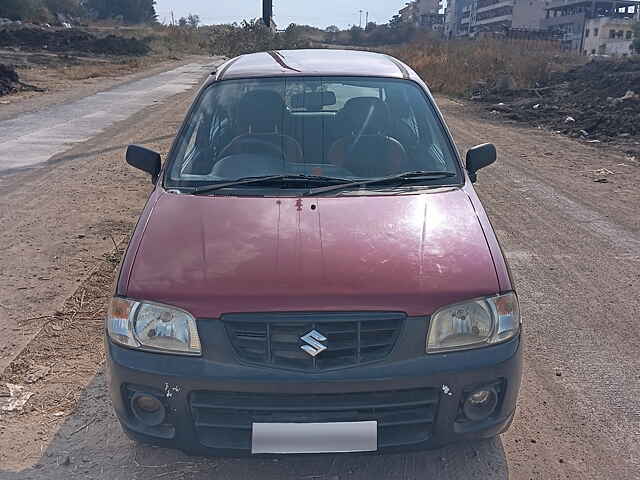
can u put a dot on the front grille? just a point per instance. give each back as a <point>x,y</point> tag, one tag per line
<point>224,420</point>
<point>275,339</point>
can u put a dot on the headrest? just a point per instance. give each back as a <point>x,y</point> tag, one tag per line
<point>365,115</point>
<point>261,111</point>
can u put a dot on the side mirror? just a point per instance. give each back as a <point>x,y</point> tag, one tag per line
<point>479,157</point>
<point>145,160</point>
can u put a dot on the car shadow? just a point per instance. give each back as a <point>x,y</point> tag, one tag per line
<point>91,444</point>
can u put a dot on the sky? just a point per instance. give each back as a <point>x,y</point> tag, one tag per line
<point>320,13</point>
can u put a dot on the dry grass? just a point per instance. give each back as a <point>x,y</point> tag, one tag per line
<point>164,40</point>
<point>172,41</point>
<point>87,72</point>
<point>456,67</point>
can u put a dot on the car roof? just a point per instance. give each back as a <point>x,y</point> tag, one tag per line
<point>319,62</point>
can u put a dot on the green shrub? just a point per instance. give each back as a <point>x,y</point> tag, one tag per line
<point>25,10</point>
<point>254,36</point>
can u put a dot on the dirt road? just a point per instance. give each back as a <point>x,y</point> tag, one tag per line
<point>570,228</point>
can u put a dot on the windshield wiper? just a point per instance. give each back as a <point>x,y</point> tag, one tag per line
<point>401,178</point>
<point>269,180</point>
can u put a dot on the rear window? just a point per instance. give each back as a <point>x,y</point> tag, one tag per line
<point>346,127</point>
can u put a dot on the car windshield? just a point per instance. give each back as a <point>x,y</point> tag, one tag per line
<point>342,128</point>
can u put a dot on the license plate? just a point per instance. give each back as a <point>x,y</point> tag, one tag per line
<point>314,437</point>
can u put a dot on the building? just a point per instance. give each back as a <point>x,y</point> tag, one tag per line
<point>429,16</point>
<point>608,36</point>
<point>570,18</point>
<point>456,18</point>
<point>427,7</point>
<point>409,14</point>
<point>471,17</point>
<point>423,14</point>
<point>419,12</point>
<point>432,21</point>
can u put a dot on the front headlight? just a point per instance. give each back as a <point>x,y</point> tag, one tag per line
<point>475,323</point>
<point>153,327</point>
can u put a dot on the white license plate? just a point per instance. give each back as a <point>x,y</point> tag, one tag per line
<point>314,437</point>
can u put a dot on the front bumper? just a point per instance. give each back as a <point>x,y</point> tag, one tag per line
<point>437,382</point>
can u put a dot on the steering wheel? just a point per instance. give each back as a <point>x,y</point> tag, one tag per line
<point>259,144</point>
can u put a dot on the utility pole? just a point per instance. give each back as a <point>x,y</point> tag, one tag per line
<point>267,12</point>
<point>361,11</point>
<point>366,24</point>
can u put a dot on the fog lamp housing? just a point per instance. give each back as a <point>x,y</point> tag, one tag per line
<point>148,409</point>
<point>481,403</point>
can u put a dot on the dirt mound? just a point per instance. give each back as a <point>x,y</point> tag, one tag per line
<point>9,80</point>
<point>33,37</point>
<point>597,101</point>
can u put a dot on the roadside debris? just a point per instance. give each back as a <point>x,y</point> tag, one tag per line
<point>10,81</point>
<point>601,175</point>
<point>35,37</point>
<point>603,171</point>
<point>13,398</point>
<point>598,101</point>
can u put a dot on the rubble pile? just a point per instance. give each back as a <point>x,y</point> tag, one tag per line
<point>34,37</point>
<point>599,101</point>
<point>9,80</point>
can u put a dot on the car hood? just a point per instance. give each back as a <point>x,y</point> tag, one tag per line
<point>408,253</point>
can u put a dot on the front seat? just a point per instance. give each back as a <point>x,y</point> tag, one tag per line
<point>367,151</point>
<point>261,118</point>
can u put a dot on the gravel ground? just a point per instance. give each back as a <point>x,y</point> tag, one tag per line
<point>574,245</point>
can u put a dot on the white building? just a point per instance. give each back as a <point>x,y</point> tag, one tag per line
<point>608,36</point>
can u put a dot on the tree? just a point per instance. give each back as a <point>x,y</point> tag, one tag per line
<point>396,21</point>
<point>254,36</point>
<point>357,35</point>
<point>193,20</point>
<point>131,11</point>
<point>26,10</point>
<point>66,7</point>
<point>182,22</point>
<point>371,26</point>
<point>332,29</point>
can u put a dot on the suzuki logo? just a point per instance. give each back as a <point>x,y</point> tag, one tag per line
<point>313,339</point>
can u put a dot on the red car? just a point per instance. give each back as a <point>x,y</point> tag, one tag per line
<point>313,271</point>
